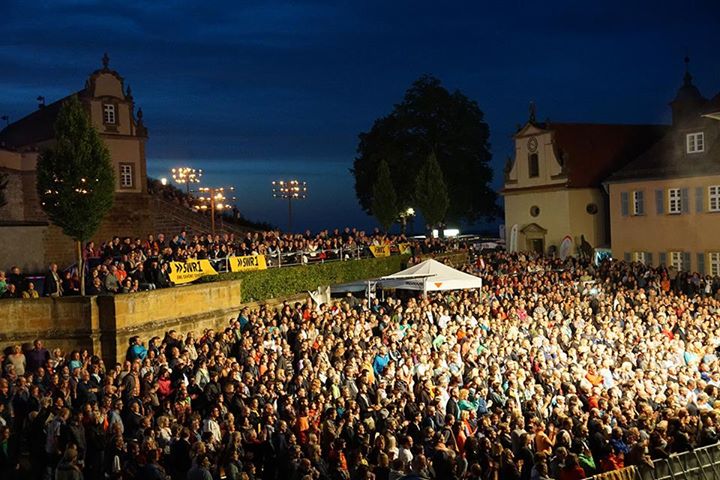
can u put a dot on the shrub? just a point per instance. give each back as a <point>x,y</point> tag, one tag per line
<point>285,281</point>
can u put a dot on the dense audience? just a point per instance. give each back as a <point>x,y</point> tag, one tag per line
<point>127,265</point>
<point>553,370</point>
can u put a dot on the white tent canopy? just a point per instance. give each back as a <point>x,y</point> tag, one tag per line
<point>430,276</point>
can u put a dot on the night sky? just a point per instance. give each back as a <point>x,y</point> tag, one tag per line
<point>253,91</point>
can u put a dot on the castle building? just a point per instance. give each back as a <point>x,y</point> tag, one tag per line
<point>23,225</point>
<point>553,184</point>
<point>665,204</point>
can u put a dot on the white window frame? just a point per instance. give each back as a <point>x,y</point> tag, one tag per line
<point>695,142</point>
<point>109,114</point>
<point>674,201</point>
<point>714,263</point>
<point>127,175</point>
<point>640,257</point>
<point>676,260</point>
<point>714,198</point>
<point>636,203</point>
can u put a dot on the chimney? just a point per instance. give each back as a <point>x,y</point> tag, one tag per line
<point>41,101</point>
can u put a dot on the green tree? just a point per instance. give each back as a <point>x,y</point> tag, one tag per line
<point>3,187</point>
<point>430,119</point>
<point>431,193</point>
<point>75,180</point>
<point>384,200</point>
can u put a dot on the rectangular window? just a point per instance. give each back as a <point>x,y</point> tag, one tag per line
<point>674,200</point>
<point>534,167</point>
<point>640,257</point>
<point>126,175</point>
<point>676,260</point>
<point>695,142</point>
<point>109,114</point>
<point>714,198</point>
<point>714,259</point>
<point>638,203</point>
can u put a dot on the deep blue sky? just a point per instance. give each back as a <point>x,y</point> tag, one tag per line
<point>256,90</point>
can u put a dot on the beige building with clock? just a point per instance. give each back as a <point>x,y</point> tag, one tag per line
<point>553,183</point>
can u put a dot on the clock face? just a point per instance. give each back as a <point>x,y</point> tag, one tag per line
<point>532,144</point>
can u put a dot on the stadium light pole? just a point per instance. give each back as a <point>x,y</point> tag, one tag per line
<point>186,176</point>
<point>215,200</point>
<point>290,190</point>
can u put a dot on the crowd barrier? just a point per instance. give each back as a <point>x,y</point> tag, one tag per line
<point>191,270</point>
<point>627,473</point>
<point>699,464</point>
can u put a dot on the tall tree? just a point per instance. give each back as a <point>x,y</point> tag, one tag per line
<point>430,119</point>
<point>3,187</point>
<point>431,193</point>
<point>384,200</point>
<point>75,180</point>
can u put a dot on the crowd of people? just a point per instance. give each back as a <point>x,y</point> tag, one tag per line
<point>553,370</point>
<point>127,265</point>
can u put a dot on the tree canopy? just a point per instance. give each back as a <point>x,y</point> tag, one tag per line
<point>384,201</point>
<point>430,119</point>
<point>75,181</point>
<point>431,195</point>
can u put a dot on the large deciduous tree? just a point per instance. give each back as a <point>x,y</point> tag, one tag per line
<point>384,200</point>
<point>430,119</point>
<point>431,194</point>
<point>75,180</point>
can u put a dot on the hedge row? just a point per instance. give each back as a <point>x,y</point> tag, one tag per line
<point>285,281</point>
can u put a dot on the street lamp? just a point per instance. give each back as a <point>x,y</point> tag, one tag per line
<point>186,175</point>
<point>405,215</point>
<point>290,190</point>
<point>214,198</point>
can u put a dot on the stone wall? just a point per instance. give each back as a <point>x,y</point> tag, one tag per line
<point>104,324</point>
<point>147,314</point>
<point>22,245</point>
<point>69,323</point>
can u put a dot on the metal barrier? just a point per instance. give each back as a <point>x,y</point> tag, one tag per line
<point>700,464</point>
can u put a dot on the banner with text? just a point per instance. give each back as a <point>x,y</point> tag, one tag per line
<point>248,263</point>
<point>380,251</point>
<point>404,248</point>
<point>190,270</point>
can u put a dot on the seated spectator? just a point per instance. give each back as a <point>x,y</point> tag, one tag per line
<point>30,291</point>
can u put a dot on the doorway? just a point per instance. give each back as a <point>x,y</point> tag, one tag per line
<point>536,245</point>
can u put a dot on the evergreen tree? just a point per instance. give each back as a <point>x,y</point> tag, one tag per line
<point>431,118</point>
<point>384,201</point>
<point>75,181</point>
<point>431,194</point>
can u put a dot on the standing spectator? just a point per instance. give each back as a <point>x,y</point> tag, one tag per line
<point>37,357</point>
<point>111,283</point>
<point>53,282</point>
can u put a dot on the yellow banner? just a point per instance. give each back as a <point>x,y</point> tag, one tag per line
<point>189,271</point>
<point>248,263</point>
<point>404,248</point>
<point>381,251</point>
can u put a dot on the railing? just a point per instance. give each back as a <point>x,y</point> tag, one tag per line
<point>699,464</point>
<point>307,257</point>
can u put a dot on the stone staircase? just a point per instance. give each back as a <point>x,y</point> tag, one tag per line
<point>170,218</point>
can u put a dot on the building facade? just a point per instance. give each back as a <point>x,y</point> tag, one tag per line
<point>665,204</point>
<point>553,183</point>
<point>111,107</point>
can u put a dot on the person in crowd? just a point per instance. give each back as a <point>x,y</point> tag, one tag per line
<point>553,369</point>
<point>30,291</point>
<point>53,282</point>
